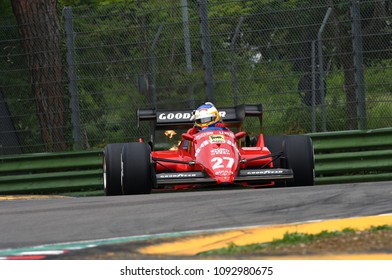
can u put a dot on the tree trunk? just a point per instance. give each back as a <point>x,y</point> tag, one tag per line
<point>39,25</point>
<point>345,54</point>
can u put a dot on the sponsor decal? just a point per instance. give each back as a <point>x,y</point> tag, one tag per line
<point>233,144</point>
<point>202,145</point>
<point>220,151</point>
<point>181,115</point>
<point>252,148</point>
<point>263,172</point>
<point>227,133</point>
<point>223,173</point>
<point>175,116</point>
<point>222,114</point>
<point>176,175</point>
<point>203,134</point>
<point>216,138</point>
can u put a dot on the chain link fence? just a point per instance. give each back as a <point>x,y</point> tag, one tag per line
<point>314,65</point>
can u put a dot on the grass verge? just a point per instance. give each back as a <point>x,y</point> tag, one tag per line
<point>349,240</point>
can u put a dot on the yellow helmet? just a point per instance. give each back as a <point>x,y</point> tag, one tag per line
<point>206,116</point>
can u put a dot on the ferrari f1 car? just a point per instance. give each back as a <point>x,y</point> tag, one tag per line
<point>212,157</point>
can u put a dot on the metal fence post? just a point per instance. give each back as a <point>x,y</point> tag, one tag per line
<point>358,63</point>
<point>73,80</point>
<point>152,65</point>
<point>232,58</point>
<point>321,67</point>
<point>188,53</point>
<point>206,49</point>
<point>313,57</point>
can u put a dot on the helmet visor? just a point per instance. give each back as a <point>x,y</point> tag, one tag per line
<point>205,120</point>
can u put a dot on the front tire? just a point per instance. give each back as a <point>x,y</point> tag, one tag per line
<point>298,151</point>
<point>275,145</point>
<point>111,165</point>
<point>137,171</point>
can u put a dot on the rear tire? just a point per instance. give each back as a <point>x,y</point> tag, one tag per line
<point>138,173</point>
<point>111,165</point>
<point>298,151</point>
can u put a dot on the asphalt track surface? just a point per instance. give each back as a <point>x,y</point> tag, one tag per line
<point>31,222</point>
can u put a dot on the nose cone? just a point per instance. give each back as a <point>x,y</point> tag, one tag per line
<point>225,180</point>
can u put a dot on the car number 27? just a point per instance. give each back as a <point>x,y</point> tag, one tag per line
<point>222,162</point>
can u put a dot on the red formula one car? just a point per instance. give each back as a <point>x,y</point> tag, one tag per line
<point>213,157</point>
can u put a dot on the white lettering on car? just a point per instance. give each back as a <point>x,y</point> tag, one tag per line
<point>175,116</point>
<point>176,175</point>
<point>202,145</point>
<point>222,114</point>
<point>223,173</point>
<point>219,162</point>
<point>181,116</point>
<point>220,151</point>
<point>263,172</point>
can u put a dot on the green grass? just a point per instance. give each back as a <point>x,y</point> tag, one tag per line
<point>288,239</point>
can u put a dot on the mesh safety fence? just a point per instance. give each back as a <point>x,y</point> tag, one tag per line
<point>82,81</point>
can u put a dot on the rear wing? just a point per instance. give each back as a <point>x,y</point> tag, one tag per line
<point>171,119</point>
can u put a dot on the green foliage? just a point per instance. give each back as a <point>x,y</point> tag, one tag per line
<point>14,81</point>
<point>5,8</point>
<point>113,52</point>
<point>382,227</point>
<point>78,3</point>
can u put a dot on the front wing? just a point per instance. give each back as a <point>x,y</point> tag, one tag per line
<point>244,175</point>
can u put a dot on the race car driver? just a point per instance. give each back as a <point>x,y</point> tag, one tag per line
<point>206,116</point>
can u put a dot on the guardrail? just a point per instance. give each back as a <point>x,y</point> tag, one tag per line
<point>353,156</point>
<point>341,157</point>
<point>51,172</point>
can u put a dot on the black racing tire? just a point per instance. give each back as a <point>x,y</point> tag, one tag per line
<point>298,151</point>
<point>111,165</point>
<point>137,170</point>
<point>274,143</point>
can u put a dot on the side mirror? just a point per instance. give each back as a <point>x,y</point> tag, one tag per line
<point>240,135</point>
<point>187,136</point>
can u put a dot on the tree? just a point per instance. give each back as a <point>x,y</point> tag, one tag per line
<point>39,26</point>
<point>374,24</point>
